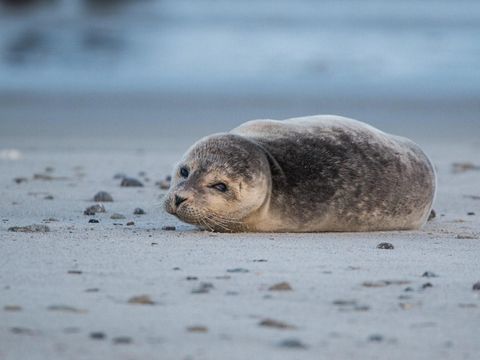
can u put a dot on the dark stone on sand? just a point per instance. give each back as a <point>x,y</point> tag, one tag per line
<point>49,197</point>
<point>203,288</point>
<point>141,300</point>
<point>238,270</point>
<point>432,215</point>
<point>139,211</point>
<point>271,323</point>
<point>191,278</point>
<point>92,290</point>
<point>66,309</point>
<point>427,285</point>
<point>103,196</point>
<point>20,180</point>
<point>97,335</point>
<point>117,216</point>
<point>292,344</point>
<point>471,213</point>
<point>130,223</point>
<point>282,286</point>
<point>12,308</point>
<point>429,274</point>
<point>461,167</point>
<point>30,228</point>
<point>385,246</point>
<point>92,210</point>
<point>131,182</point>
<point>476,286</point>
<point>93,221</point>
<point>169,228</point>
<point>466,237</point>
<point>260,260</point>
<point>375,338</point>
<point>22,331</point>
<point>197,329</point>
<point>122,340</point>
<point>342,302</point>
<point>74,272</point>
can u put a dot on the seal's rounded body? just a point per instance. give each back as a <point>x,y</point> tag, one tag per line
<point>310,174</point>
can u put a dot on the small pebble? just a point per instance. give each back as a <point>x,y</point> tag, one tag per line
<point>385,246</point>
<point>117,216</point>
<point>103,196</point>
<point>130,223</point>
<point>165,183</point>
<point>93,221</point>
<point>122,340</point>
<point>197,329</point>
<point>30,228</point>
<point>466,237</point>
<point>154,243</point>
<point>97,335</point>
<point>66,308</point>
<point>471,213</point>
<point>375,338</point>
<point>427,285</point>
<point>429,274</point>
<point>238,270</point>
<point>283,286</point>
<point>203,288</point>
<point>92,210</point>
<point>20,180</point>
<point>476,286</point>
<point>49,197</point>
<point>292,344</point>
<point>91,290</point>
<point>169,228</point>
<point>12,308</point>
<point>260,260</point>
<point>191,278</point>
<point>139,211</point>
<point>75,272</point>
<point>432,215</point>
<point>22,331</point>
<point>275,324</point>
<point>141,300</point>
<point>131,182</point>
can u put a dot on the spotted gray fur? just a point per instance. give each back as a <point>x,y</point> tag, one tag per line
<point>311,174</point>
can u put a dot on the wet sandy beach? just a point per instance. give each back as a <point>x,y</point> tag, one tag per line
<point>111,290</point>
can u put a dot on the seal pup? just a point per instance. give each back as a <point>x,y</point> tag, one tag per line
<point>308,174</point>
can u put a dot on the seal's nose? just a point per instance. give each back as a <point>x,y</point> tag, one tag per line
<point>179,200</point>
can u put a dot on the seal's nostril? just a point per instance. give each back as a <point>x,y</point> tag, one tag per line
<point>179,200</point>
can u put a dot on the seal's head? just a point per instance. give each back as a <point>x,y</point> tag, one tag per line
<point>221,181</point>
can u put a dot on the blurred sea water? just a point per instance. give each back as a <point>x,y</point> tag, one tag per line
<point>148,69</point>
<point>427,48</point>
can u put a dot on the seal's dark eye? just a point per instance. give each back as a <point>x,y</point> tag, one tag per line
<point>220,187</point>
<point>183,172</point>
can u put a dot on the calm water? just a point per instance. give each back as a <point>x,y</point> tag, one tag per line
<point>359,47</point>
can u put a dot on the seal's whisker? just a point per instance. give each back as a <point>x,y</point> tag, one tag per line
<point>217,223</point>
<point>219,217</point>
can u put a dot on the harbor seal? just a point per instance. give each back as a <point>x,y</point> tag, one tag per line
<point>308,174</point>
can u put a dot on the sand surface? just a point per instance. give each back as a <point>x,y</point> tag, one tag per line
<point>210,292</point>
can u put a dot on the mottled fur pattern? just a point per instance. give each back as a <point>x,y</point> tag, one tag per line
<point>312,174</point>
